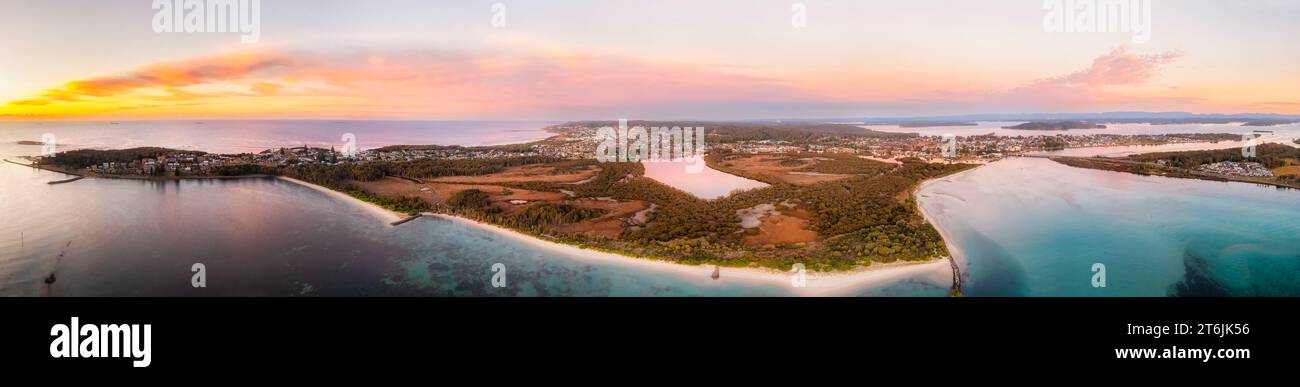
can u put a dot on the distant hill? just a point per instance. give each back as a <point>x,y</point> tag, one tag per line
<point>1055,125</point>
<point>728,131</point>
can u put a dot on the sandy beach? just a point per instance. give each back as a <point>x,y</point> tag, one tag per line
<point>816,283</point>
<point>957,257</point>
<point>381,213</point>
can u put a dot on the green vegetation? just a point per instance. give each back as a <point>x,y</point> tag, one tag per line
<point>443,167</point>
<point>1184,164</point>
<point>844,165</point>
<point>1271,155</point>
<point>553,214</point>
<point>867,217</point>
<point>472,199</point>
<point>406,205</point>
<point>337,175</point>
<point>246,169</point>
<point>83,158</point>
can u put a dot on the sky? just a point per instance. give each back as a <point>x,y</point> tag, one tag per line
<point>667,59</point>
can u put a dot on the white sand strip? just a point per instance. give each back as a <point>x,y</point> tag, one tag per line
<point>383,214</point>
<point>816,284</point>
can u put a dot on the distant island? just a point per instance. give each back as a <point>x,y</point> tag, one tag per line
<point>1268,123</point>
<point>28,142</point>
<point>927,124</point>
<point>1056,125</point>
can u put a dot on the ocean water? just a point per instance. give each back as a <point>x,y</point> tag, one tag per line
<point>265,237</point>
<point>1032,227</point>
<point>238,136</point>
<point>1027,226</point>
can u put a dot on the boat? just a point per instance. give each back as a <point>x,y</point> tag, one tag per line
<point>50,279</point>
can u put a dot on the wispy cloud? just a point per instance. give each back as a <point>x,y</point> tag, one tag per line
<point>434,84</point>
<point>1098,84</point>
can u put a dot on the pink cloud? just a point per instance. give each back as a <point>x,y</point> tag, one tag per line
<point>1095,84</point>
<point>425,83</point>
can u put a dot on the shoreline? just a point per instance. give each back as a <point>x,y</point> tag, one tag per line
<point>956,256</point>
<point>1114,165</point>
<point>384,214</point>
<point>818,283</point>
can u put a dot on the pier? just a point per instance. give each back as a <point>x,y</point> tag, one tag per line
<point>38,166</point>
<point>956,277</point>
<point>404,220</point>
<point>66,180</point>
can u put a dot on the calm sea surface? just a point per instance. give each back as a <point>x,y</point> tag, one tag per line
<point>1026,226</point>
<point>233,136</point>
<point>264,237</point>
<point>1032,227</point>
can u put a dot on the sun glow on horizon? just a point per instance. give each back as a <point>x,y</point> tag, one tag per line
<point>564,61</point>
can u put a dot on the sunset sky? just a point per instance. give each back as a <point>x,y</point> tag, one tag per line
<point>560,60</point>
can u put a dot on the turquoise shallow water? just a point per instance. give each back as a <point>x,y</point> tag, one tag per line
<point>1028,227</point>
<point>1032,227</point>
<point>265,237</point>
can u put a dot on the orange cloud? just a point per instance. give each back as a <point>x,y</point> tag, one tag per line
<point>569,84</point>
<point>427,84</point>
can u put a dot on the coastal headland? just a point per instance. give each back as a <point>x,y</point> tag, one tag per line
<point>838,210</point>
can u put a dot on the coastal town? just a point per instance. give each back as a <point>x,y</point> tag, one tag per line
<point>579,141</point>
<point>1234,168</point>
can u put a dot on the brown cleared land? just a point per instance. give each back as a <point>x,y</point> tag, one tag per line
<point>610,225</point>
<point>526,173</point>
<point>1287,170</point>
<point>440,192</point>
<point>772,166</point>
<point>787,225</point>
<point>780,229</point>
